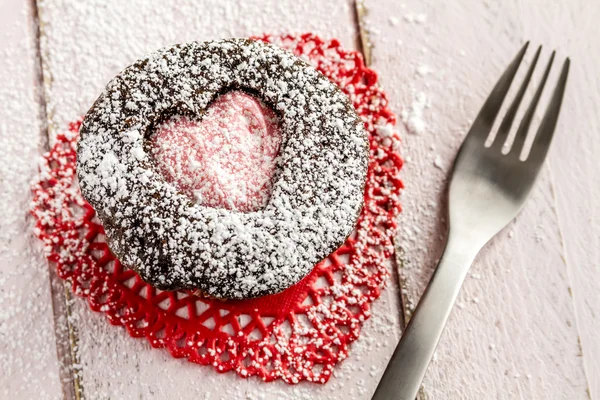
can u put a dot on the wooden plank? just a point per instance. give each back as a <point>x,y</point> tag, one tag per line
<point>405,303</point>
<point>84,45</point>
<point>28,359</point>
<point>514,332</point>
<point>574,168</point>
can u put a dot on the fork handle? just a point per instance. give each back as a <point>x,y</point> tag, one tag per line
<point>406,369</point>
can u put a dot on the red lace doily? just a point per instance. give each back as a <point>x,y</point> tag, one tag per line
<point>299,334</point>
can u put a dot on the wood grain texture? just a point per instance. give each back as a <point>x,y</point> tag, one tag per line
<point>575,172</point>
<point>515,332</point>
<point>28,358</point>
<point>86,44</point>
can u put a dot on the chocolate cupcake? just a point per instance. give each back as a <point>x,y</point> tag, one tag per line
<point>175,243</point>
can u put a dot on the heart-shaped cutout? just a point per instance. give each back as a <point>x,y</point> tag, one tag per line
<point>224,160</point>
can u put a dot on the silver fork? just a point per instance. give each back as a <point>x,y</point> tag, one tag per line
<point>487,190</point>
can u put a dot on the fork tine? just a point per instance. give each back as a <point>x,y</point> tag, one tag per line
<point>517,146</point>
<point>487,115</point>
<point>543,136</point>
<point>512,110</point>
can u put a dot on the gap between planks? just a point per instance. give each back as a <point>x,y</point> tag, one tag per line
<point>365,46</point>
<point>66,340</point>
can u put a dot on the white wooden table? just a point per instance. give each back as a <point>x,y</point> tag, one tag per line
<point>526,323</point>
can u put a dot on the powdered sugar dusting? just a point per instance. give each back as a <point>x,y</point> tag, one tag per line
<point>225,160</point>
<point>173,244</point>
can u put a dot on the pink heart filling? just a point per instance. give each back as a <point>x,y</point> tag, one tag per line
<point>227,159</point>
